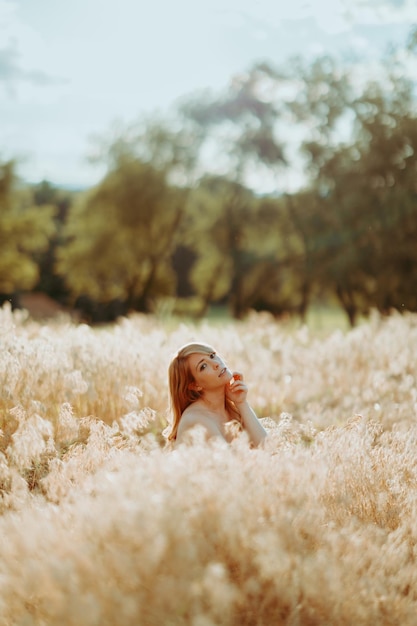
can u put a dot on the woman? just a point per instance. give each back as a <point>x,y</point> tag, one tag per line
<point>204,392</point>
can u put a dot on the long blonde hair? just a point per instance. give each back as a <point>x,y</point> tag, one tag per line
<point>181,391</point>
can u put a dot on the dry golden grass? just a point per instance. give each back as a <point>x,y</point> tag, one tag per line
<point>102,525</point>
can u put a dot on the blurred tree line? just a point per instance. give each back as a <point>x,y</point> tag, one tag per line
<point>178,221</point>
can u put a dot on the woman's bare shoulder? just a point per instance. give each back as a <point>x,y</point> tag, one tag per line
<point>194,415</point>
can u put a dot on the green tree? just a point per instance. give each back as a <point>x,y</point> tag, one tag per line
<point>120,236</point>
<point>170,145</point>
<point>25,230</point>
<point>360,152</point>
<point>49,281</point>
<point>275,280</point>
<point>218,209</point>
<point>239,126</point>
<point>237,242</point>
<point>370,204</point>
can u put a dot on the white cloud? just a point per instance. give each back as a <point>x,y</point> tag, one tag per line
<point>329,14</point>
<point>23,53</point>
<point>332,16</point>
<point>381,11</point>
<point>7,13</point>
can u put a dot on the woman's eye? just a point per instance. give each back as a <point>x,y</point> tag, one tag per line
<point>212,355</point>
<point>203,367</point>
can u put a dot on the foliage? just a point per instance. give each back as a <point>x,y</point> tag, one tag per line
<point>243,120</point>
<point>180,213</point>
<point>25,230</point>
<point>49,282</point>
<point>223,216</point>
<point>359,145</point>
<point>121,236</point>
<point>366,203</point>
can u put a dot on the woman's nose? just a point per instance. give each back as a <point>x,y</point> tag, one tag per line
<point>218,363</point>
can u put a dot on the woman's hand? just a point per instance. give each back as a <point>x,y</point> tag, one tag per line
<point>237,390</point>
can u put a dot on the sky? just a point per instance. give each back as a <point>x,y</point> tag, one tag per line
<point>71,69</point>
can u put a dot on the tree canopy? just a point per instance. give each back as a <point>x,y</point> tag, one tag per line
<point>25,229</point>
<point>197,202</point>
<point>121,234</point>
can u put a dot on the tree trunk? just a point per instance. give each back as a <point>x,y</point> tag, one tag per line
<point>346,299</point>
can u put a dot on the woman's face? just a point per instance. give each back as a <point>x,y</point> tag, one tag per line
<point>209,370</point>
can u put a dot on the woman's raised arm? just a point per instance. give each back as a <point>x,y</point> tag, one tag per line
<point>237,392</point>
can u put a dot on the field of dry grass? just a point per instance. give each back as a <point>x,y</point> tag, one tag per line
<point>100,525</point>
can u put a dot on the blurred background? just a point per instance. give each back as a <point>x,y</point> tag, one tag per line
<point>208,159</point>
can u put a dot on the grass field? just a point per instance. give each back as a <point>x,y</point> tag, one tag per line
<point>101,525</point>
